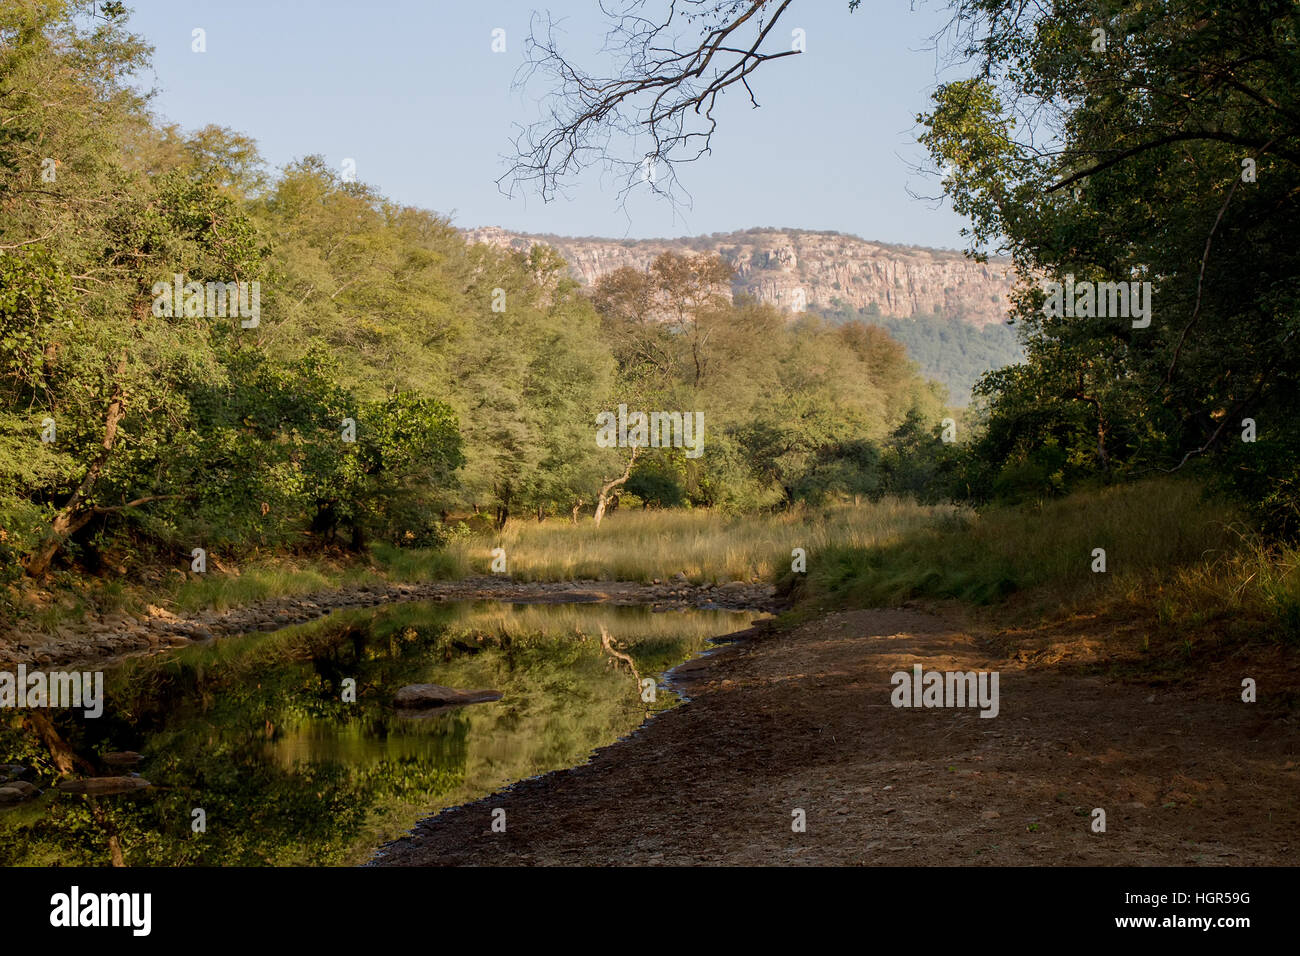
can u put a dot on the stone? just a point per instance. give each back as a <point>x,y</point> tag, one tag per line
<point>124,758</point>
<point>424,696</point>
<point>103,786</point>
<point>16,792</point>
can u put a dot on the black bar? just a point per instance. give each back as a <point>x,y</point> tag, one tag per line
<point>382,907</point>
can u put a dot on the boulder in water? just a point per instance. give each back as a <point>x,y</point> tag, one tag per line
<point>125,758</point>
<point>424,696</point>
<point>16,792</point>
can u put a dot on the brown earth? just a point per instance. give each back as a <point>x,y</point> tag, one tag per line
<point>1187,774</point>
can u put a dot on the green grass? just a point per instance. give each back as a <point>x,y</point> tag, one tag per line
<point>628,546</point>
<point>418,565</point>
<point>254,583</point>
<point>1187,558</point>
<point>289,577</point>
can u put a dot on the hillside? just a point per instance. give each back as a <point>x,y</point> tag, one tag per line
<point>947,351</point>
<point>796,269</point>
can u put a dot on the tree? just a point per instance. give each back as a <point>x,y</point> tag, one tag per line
<point>1130,142</point>
<point>125,415</point>
<point>102,363</point>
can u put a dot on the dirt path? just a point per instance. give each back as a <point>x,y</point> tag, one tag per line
<point>803,720</point>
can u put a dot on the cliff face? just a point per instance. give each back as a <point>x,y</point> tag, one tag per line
<point>794,269</point>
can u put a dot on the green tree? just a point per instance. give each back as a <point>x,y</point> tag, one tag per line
<point>1165,150</point>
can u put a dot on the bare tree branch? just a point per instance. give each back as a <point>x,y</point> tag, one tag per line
<point>661,98</point>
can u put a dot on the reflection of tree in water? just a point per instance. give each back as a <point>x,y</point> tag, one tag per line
<point>212,753</point>
<point>310,789</point>
<point>341,660</point>
<point>607,642</point>
<point>67,762</point>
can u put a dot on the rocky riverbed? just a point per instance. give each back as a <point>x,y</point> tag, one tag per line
<point>101,638</point>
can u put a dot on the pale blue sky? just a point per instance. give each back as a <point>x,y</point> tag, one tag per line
<point>412,91</point>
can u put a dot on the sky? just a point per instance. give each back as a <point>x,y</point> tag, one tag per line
<point>412,93</point>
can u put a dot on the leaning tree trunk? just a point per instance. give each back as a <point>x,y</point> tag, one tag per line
<point>75,513</point>
<point>602,503</point>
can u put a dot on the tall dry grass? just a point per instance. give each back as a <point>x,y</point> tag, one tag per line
<point>1168,547</point>
<point>706,546</point>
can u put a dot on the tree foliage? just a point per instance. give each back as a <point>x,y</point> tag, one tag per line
<point>1120,140</point>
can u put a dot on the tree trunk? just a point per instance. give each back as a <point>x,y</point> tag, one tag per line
<point>105,823</point>
<point>603,501</point>
<point>65,758</point>
<point>577,507</point>
<point>75,513</point>
<point>1102,425</point>
<point>607,643</point>
<point>67,522</point>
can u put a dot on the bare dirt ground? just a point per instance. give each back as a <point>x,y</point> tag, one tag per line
<point>1187,774</point>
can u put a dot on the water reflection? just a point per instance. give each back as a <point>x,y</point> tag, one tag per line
<point>262,734</point>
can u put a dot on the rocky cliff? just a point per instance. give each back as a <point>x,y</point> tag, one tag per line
<point>795,269</point>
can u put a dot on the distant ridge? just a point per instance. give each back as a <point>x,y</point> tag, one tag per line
<point>797,269</point>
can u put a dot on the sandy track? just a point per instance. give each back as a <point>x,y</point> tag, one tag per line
<point>803,720</point>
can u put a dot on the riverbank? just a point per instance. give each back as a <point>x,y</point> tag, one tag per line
<point>108,637</point>
<point>669,558</point>
<point>801,720</point>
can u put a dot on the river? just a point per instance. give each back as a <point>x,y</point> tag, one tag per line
<point>285,748</point>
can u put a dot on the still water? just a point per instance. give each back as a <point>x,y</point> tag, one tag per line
<point>255,757</point>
